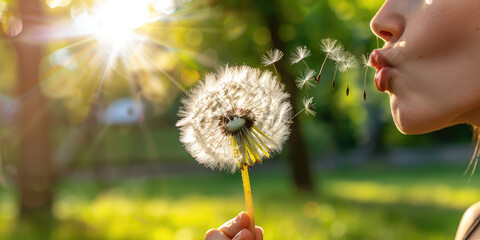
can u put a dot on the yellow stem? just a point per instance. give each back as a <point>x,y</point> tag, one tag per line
<point>248,199</point>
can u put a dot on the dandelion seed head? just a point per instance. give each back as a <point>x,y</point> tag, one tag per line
<point>327,45</point>
<point>299,54</point>
<point>309,105</point>
<point>235,117</point>
<point>306,80</point>
<point>272,56</point>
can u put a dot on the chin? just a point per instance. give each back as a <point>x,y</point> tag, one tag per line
<point>414,121</point>
<point>411,128</point>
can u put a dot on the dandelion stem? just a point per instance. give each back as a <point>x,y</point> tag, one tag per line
<point>248,198</point>
<point>297,113</point>
<point>348,84</point>
<point>306,64</point>
<point>321,68</point>
<point>276,72</point>
<point>334,75</point>
<point>365,78</point>
<point>365,84</point>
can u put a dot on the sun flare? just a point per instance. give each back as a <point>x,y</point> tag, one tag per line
<point>113,22</point>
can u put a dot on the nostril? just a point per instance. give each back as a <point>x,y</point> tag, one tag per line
<point>386,34</point>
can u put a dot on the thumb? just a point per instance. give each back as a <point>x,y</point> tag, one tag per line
<point>232,227</point>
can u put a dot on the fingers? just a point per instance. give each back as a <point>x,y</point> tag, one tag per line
<point>234,226</point>
<point>214,234</point>
<point>245,234</point>
<point>236,229</point>
<point>258,233</point>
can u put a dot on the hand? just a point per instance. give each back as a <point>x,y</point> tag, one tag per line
<point>235,229</point>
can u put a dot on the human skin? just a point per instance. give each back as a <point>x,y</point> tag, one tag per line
<point>236,229</point>
<point>433,47</point>
<point>433,50</point>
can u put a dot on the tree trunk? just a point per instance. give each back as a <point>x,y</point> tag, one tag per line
<point>35,168</point>
<point>298,158</point>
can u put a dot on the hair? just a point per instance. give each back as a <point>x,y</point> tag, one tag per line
<point>476,151</point>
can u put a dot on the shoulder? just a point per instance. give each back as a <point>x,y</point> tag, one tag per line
<point>469,225</point>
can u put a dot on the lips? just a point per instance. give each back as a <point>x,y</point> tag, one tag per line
<point>384,69</point>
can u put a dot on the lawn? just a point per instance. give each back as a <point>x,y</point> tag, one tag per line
<point>379,203</point>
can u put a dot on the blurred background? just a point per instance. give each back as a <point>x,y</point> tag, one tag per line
<point>89,92</point>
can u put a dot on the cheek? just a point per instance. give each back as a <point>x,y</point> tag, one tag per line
<point>438,78</point>
<point>442,28</point>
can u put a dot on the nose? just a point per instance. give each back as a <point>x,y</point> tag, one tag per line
<point>390,21</point>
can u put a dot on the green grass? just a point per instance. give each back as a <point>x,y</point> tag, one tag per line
<point>414,203</point>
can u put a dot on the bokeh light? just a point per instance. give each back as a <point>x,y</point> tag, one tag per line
<point>58,3</point>
<point>3,8</point>
<point>12,24</point>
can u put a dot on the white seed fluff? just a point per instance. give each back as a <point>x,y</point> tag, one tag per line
<point>272,56</point>
<point>230,88</point>
<point>299,54</point>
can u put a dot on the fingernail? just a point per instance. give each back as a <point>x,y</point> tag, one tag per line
<point>239,217</point>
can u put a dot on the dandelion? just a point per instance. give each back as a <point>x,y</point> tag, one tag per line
<point>338,56</point>
<point>308,106</point>
<point>306,80</point>
<point>300,54</point>
<point>327,46</point>
<point>349,62</point>
<point>233,119</point>
<point>366,64</point>
<point>271,57</point>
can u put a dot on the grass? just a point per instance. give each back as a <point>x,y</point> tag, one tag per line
<point>412,203</point>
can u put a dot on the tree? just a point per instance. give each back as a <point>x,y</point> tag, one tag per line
<point>35,166</point>
<point>298,158</point>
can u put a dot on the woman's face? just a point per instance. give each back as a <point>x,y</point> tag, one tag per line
<point>432,62</point>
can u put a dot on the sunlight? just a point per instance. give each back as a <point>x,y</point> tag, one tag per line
<point>117,19</point>
<point>114,26</point>
<point>113,22</point>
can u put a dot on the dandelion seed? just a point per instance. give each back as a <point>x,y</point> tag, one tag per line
<point>235,118</point>
<point>306,79</point>
<point>338,56</point>
<point>349,62</point>
<point>327,45</point>
<point>272,56</point>
<point>308,104</point>
<point>365,60</point>
<point>299,54</point>
<point>366,64</point>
